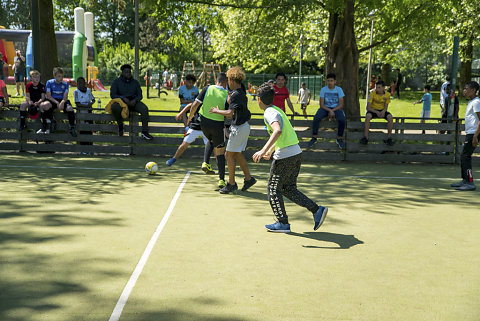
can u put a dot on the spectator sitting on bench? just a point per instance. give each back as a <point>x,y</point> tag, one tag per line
<point>331,105</point>
<point>128,90</point>
<point>377,106</point>
<point>57,97</point>
<point>35,99</point>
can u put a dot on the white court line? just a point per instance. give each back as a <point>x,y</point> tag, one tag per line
<point>200,172</point>
<point>117,311</point>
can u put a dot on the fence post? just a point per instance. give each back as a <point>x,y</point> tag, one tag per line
<point>314,87</point>
<point>148,83</point>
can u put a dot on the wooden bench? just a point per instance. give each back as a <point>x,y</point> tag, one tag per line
<point>410,144</point>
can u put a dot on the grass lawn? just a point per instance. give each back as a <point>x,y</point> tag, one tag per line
<point>399,107</point>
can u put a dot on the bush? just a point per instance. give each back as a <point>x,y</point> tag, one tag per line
<point>111,58</point>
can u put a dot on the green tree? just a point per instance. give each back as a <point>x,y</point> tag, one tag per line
<point>15,14</point>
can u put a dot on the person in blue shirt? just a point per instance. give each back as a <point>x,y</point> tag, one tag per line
<point>427,103</point>
<point>187,94</point>
<point>57,96</point>
<point>331,105</point>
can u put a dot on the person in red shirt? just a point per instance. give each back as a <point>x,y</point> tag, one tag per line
<point>281,93</point>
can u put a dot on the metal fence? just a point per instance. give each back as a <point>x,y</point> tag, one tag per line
<point>314,83</point>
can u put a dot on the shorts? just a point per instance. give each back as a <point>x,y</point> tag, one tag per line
<point>214,131</point>
<point>55,105</point>
<point>425,113</point>
<point>19,77</point>
<point>2,100</point>
<point>375,115</point>
<point>33,112</point>
<point>237,142</point>
<point>303,106</point>
<point>193,134</point>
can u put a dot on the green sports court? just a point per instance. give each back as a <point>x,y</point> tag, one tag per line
<point>98,239</point>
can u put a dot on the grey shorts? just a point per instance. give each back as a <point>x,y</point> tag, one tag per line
<point>237,142</point>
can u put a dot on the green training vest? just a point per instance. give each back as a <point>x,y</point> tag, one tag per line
<point>213,98</point>
<point>288,136</point>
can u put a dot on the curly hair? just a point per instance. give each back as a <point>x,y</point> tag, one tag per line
<point>236,74</point>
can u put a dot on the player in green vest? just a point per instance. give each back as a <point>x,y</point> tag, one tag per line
<point>287,159</point>
<point>213,124</point>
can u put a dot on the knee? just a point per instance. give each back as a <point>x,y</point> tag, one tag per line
<point>368,118</point>
<point>23,106</point>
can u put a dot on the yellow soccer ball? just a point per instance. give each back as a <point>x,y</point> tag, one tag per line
<point>151,168</point>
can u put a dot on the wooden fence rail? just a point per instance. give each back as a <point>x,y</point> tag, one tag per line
<point>411,145</point>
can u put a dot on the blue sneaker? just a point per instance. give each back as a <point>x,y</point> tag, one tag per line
<point>278,227</point>
<point>319,217</point>
<point>171,161</point>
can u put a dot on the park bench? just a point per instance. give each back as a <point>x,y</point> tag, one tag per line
<point>410,144</point>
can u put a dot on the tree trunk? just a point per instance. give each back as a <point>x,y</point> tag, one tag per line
<point>386,73</point>
<point>48,42</point>
<point>342,56</point>
<point>466,64</point>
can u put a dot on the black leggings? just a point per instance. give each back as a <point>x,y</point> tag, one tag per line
<point>466,159</point>
<point>283,181</point>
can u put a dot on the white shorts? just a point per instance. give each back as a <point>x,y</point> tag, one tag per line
<point>193,134</point>
<point>425,114</point>
<point>237,142</point>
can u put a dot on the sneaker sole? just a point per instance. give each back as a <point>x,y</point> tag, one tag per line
<point>246,188</point>
<point>207,171</point>
<point>322,219</point>
<point>278,231</point>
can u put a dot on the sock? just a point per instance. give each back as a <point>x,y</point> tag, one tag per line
<point>23,114</point>
<point>221,166</point>
<point>208,152</point>
<point>71,118</point>
<point>469,176</point>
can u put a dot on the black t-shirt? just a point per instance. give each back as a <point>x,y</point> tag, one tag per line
<point>399,79</point>
<point>202,94</point>
<point>35,91</point>
<point>195,123</point>
<point>238,102</point>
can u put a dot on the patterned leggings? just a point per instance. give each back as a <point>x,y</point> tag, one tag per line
<point>283,181</point>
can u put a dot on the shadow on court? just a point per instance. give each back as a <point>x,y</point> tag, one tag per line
<point>343,241</point>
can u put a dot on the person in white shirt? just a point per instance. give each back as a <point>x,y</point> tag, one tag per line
<point>304,97</point>
<point>84,100</point>
<point>472,130</point>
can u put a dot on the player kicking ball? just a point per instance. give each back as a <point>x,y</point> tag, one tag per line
<point>285,168</point>
<point>191,135</point>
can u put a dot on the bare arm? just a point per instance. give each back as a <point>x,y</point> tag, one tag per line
<point>477,132</point>
<point>289,103</point>
<point>227,113</point>
<point>277,131</point>
<point>193,110</point>
<point>183,111</point>
<point>340,104</point>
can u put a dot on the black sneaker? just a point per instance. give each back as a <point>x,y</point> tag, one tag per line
<point>311,142</point>
<point>146,135</point>
<point>340,143</point>
<point>249,183</point>
<point>53,126</point>
<point>73,132</point>
<point>120,129</point>
<point>389,141</point>
<point>364,141</point>
<point>22,127</point>
<point>229,188</point>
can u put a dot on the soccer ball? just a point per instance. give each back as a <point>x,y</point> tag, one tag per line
<point>151,168</point>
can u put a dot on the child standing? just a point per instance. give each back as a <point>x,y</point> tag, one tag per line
<point>472,131</point>
<point>285,166</point>
<point>427,102</point>
<point>304,97</point>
